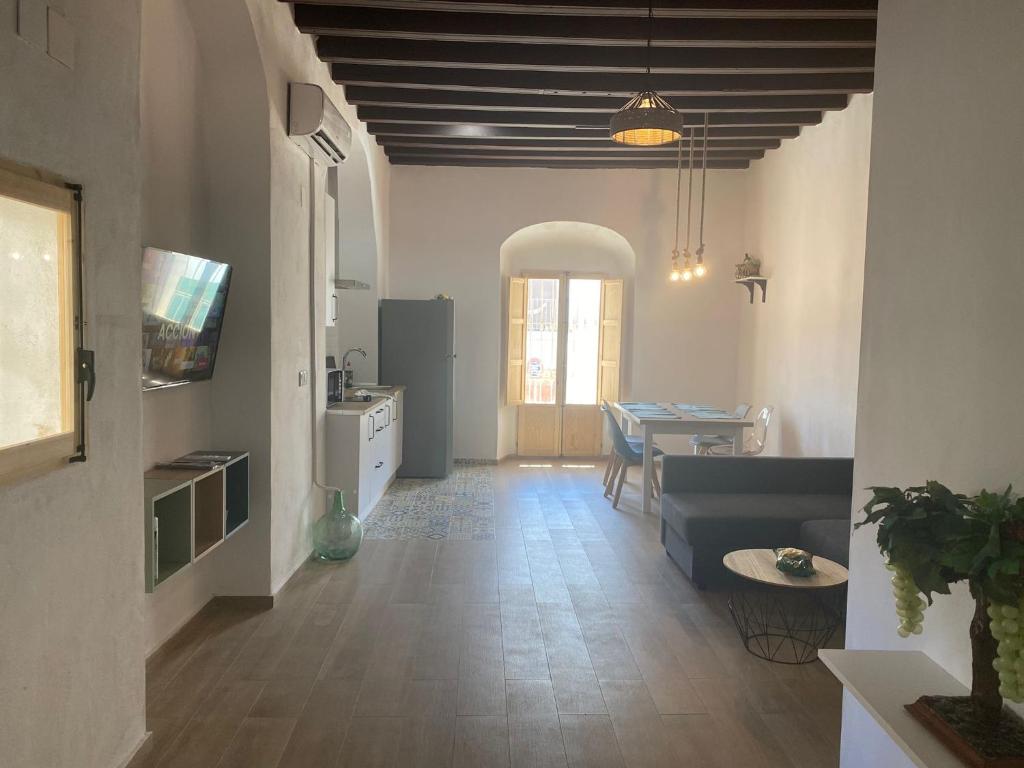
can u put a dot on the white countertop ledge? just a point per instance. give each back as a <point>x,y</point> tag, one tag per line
<point>883,682</point>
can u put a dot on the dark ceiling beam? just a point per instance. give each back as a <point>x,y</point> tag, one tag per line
<point>764,9</point>
<point>598,154</point>
<point>564,132</point>
<point>560,145</point>
<point>483,117</point>
<point>545,162</point>
<point>582,29</point>
<point>483,100</point>
<point>601,83</point>
<point>434,53</point>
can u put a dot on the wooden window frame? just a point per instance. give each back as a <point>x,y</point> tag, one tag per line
<point>21,461</point>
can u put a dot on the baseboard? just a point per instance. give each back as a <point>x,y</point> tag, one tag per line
<point>144,743</point>
<point>252,602</point>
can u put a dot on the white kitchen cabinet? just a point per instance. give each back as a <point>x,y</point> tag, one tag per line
<point>364,450</point>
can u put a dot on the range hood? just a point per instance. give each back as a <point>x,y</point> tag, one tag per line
<point>351,285</point>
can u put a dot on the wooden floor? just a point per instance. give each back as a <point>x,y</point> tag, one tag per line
<point>569,640</point>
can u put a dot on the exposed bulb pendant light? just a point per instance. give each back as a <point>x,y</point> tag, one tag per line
<point>646,120</point>
<point>675,274</point>
<point>687,273</point>
<point>700,270</point>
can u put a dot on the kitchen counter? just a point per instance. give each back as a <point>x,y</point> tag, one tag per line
<point>357,408</point>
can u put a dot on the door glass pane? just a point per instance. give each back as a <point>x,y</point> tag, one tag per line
<point>31,346</point>
<point>541,340</point>
<point>581,351</point>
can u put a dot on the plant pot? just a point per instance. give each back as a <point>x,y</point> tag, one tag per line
<point>956,722</point>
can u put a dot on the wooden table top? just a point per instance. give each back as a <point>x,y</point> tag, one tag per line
<point>759,565</point>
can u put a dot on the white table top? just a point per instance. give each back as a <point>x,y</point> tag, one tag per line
<point>883,682</point>
<point>685,417</point>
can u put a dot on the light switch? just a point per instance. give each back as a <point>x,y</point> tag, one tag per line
<point>303,378</point>
<point>32,22</point>
<point>60,38</point>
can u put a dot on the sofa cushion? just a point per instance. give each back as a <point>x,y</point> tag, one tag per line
<point>724,521</point>
<point>827,538</point>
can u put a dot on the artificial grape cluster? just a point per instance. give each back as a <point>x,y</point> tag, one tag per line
<point>909,603</point>
<point>1005,623</point>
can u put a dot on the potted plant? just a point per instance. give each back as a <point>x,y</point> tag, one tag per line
<point>931,538</point>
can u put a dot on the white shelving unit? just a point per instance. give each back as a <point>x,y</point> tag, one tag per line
<point>884,682</point>
<point>191,512</point>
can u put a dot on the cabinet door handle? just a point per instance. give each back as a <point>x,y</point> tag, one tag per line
<point>373,425</point>
<point>334,307</point>
<point>378,465</point>
<point>380,429</point>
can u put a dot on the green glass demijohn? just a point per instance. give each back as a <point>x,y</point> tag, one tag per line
<point>338,534</point>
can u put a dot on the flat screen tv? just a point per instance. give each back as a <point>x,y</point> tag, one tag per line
<point>183,300</point>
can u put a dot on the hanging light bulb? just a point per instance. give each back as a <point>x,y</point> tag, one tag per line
<point>646,120</point>
<point>687,274</point>
<point>700,270</point>
<point>675,275</point>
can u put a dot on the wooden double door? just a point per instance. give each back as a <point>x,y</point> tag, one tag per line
<point>564,345</point>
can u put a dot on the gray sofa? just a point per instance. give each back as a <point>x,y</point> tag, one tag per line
<point>711,505</point>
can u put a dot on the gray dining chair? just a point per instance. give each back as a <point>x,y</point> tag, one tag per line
<point>758,436</point>
<point>625,454</point>
<point>701,444</point>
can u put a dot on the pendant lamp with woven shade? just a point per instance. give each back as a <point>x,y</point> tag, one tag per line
<point>646,120</point>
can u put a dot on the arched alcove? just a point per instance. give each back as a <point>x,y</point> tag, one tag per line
<point>358,260</point>
<point>562,247</point>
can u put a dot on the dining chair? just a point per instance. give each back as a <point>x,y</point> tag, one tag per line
<point>758,436</point>
<point>635,441</point>
<point>701,444</point>
<point>625,454</point>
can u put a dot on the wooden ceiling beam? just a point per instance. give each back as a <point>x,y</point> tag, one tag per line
<point>375,21</point>
<point>449,130</point>
<point>554,119</point>
<point>561,145</point>
<point>693,9</point>
<point>628,153</point>
<point>546,162</point>
<point>483,100</point>
<point>601,83</point>
<point>587,58</point>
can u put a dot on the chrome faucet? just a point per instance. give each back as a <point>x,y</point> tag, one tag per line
<point>347,372</point>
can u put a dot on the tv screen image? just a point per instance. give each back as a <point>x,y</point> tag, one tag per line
<point>183,299</point>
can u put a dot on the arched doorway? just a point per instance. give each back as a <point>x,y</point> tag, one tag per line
<point>566,300</point>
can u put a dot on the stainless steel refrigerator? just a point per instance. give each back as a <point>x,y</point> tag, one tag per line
<point>417,349</point>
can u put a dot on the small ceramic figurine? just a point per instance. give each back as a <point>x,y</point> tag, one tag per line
<point>749,267</point>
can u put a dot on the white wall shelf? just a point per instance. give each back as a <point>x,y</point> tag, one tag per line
<point>750,282</point>
<point>190,512</point>
<point>884,682</point>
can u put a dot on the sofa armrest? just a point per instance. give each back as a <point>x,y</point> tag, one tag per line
<point>761,474</point>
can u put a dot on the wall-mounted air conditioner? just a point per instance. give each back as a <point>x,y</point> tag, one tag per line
<point>316,125</point>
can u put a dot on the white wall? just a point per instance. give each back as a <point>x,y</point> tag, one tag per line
<point>448,226</point>
<point>806,221</point>
<point>941,360</point>
<point>289,55</point>
<point>72,685</point>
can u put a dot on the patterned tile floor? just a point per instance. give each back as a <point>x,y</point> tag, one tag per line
<point>461,507</point>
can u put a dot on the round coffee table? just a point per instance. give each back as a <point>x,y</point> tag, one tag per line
<point>783,618</point>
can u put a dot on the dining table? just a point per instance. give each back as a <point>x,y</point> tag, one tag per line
<point>648,419</point>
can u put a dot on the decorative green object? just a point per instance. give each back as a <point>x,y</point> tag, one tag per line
<point>338,534</point>
<point>793,561</point>
<point>931,538</point>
